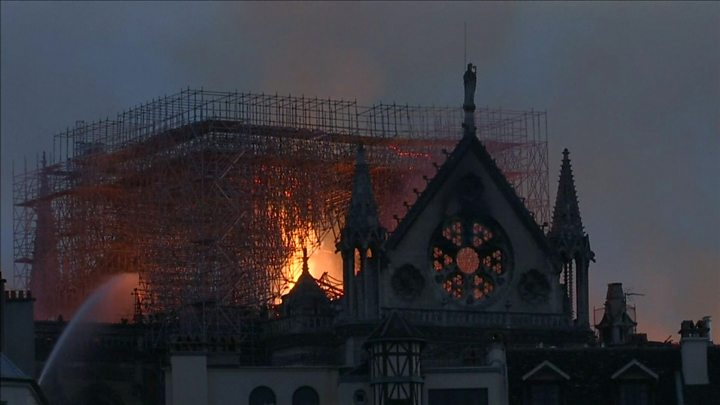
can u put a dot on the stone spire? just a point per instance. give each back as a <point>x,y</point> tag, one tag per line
<point>567,228</point>
<point>362,246</point>
<point>569,239</point>
<point>362,225</point>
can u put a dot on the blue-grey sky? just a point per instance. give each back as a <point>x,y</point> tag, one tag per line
<point>632,89</point>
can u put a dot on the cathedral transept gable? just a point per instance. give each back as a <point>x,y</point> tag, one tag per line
<point>469,243</point>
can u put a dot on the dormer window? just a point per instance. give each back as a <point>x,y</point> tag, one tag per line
<point>546,393</point>
<point>634,383</point>
<point>633,393</point>
<point>544,385</point>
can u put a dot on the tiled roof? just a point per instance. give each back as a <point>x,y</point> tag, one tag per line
<point>591,370</point>
<point>306,292</point>
<point>394,327</point>
<point>9,370</point>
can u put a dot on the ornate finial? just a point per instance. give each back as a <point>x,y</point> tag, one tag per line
<point>305,267</point>
<point>360,158</point>
<point>470,81</point>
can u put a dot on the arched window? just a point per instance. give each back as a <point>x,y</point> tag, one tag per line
<point>305,396</point>
<point>99,393</point>
<point>262,396</point>
<point>359,398</point>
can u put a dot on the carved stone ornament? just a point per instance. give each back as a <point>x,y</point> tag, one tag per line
<point>470,190</point>
<point>534,287</point>
<point>407,282</point>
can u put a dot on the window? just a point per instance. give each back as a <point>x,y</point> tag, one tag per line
<point>99,393</point>
<point>470,258</point>
<point>464,396</point>
<point>634,393</point>
<point>357,262</point>
<point>305,396</point>
<point>404,401</point>
<point>262,396</point>
<point>360,398</point>
<point>635,383</point>
<point>544,394</point>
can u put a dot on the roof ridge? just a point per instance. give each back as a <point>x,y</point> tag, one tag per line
<point>506,189</point>
<point>394,327</point>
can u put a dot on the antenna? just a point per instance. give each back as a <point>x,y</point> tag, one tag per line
<point>630,294</point>
<point>464,44</point>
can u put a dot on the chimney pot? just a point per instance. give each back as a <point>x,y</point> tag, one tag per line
<point>694,342</point>
<point>708,324</point>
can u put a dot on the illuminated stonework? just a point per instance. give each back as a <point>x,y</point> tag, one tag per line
<point>467,260</point>
<point>470,259</point>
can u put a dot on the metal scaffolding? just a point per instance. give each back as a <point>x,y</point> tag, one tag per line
<point>207,195</point>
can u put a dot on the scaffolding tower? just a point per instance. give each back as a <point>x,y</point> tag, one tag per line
<point>207,195</point>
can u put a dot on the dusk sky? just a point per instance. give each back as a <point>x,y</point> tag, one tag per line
<point>631,89</point>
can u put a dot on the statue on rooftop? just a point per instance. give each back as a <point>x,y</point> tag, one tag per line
<point>470,80</point>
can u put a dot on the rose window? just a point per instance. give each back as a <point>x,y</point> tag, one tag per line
<point>469,259</point>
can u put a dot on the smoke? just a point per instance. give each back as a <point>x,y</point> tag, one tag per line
<point>631,89</point>
<point>117,302</point>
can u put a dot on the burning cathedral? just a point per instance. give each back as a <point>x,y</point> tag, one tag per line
<point>470,299</point>
<point>467,301</point>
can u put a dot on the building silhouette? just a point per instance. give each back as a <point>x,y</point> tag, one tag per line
<point>468,300</point>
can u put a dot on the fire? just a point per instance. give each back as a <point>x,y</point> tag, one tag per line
<point>322,259</point>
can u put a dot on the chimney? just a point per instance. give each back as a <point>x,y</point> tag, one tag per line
<point>18,329</point>
<point>694,342</point>
<point>708,324</point>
